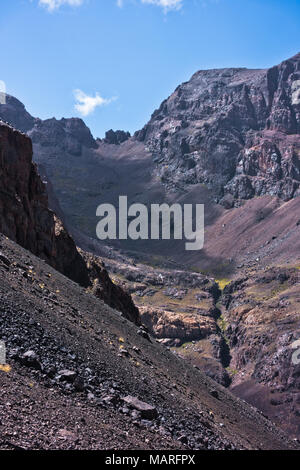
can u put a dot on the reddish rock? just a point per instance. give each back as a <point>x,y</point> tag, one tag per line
<point>26,219</point>
<point>175,325</point>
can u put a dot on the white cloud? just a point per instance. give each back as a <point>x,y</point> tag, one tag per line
<point>52,5</point>
<point>166,5</point>
<point>87,104</point>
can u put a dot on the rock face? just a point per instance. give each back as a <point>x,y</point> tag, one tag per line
<point>235,130</point>
<point>178,326</point>
<point>26,219</point>
<point>24,213</point>
<point>262,325</point>
<point>116,137</point>
<point>67,259</point>
<point>68,135</point>
<point>14,112</point>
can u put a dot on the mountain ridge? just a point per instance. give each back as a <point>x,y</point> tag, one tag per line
<point>226,135</point>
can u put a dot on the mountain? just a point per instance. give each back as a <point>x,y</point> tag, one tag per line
<point>79,374</point>
<point>235,130</point>
<point>223,138</point>
<point>229,139</point>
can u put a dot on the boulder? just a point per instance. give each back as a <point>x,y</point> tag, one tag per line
<point>147,411</point>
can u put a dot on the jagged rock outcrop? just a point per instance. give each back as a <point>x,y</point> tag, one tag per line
<point>67,258</point>
<point>25,216</point>
<point>68,135</point>
<point>116,137</point>
<point>103,287</point>
<point>26,219</point>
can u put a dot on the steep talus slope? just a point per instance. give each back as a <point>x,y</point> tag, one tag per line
<point>26,219</point>
<point>263,231</point>
<point>72,361</point>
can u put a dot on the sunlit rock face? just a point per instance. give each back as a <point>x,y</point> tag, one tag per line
<point>236,130</point>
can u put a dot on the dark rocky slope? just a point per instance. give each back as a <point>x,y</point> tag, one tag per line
<point>72,361</point>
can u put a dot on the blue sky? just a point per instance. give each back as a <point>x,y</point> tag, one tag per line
<point>112,62</point>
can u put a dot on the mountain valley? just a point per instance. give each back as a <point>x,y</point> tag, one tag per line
<point>194,334</point>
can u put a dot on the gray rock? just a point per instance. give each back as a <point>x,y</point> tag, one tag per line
<point>66,376</point>
<point>30,359</point>
<point>147,411</point>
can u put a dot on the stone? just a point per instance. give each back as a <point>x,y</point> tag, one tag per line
<point>124,352</point>
<point>79,384</point>
<point>30,359</point>
<point>147,411</point>
<point>214,393</point>
<point>111,399</point>
<point>67,375</point>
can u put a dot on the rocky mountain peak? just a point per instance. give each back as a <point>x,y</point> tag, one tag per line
<point>70,135</point>
<point>213,127</point>
<point>14,112</point>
